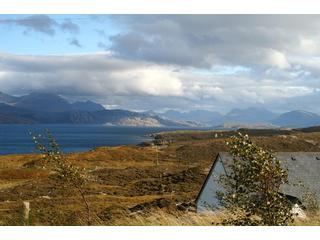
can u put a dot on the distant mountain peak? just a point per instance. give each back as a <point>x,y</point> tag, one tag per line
<point>48,102</point>
<point>46,107</point>
<point>250,115</point>
<point>204,117</point>
<point>303,112</point>
<point>87,106</point>
<point>297,118</point>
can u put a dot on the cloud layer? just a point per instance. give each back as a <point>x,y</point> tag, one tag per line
<point>139,84</point>
<point>204,40</point>
<point>184,62</point>
<point>41,23</point>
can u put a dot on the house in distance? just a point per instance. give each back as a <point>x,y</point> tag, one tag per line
<point>303,173</point>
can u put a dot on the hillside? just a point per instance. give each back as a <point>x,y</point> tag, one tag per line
<point>53,108</point>
<point>249,115</point>
<point>200,116</point>
<point>252,117</point>
<point>50,108</point>
<point>297,119</point>
<point>48,102</point>
<point>126,185</point>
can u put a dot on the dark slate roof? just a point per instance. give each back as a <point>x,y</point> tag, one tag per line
<point>303,169</point>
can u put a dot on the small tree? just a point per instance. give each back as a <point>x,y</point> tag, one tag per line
<point>68,174</point>
<point>252,186</point>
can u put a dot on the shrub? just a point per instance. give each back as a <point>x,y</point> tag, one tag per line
<point>67,174</point>
<point>252,186</point>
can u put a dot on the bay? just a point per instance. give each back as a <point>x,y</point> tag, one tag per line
<point>15,138</point>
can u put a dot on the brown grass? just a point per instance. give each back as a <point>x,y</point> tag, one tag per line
<point>14,174</point>
<point>161,218</point>
<point>126,176</point>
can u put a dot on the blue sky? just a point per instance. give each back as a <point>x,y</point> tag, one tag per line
<point>160,62</point>
<point>25,40</point>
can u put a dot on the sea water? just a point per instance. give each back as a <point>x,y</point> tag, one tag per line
<point>15,138</point>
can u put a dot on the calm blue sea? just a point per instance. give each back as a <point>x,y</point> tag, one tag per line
<point>72,138</point>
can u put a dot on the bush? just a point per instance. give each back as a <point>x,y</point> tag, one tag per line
<point>252,186</point>
<point>68,174</point>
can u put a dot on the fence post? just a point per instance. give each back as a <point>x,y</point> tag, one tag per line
<point>26,211</point>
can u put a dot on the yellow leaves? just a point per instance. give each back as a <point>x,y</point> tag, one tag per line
<point>253,184</point>
<point>67,172</point>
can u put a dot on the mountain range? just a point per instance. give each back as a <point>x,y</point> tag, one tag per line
<point>52,108</point>
<point>48,102</point>
<point>248,117</point>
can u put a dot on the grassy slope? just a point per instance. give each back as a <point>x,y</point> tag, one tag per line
<point>126,187</point>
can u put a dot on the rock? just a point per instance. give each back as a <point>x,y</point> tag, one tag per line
<point>38,163</point>
<point>45,197</point>
<point>145,144</point>
<point>106,214</point>
<point>186,206</point>
<point>139,207</point>
<point>298,212</point>
<point>162,202</point>
<point>158,203</point>
<point>312,142</point>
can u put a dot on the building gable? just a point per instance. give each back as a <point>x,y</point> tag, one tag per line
<point>303,169</point>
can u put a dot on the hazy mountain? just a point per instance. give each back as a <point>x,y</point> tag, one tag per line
<point>10,114</point>
<point>5,98</point>
<point>48,102</point>
<point>52,108</point>
<point>13,114</point>
<point>235,116</point>
<point>176,115</point>
<point>249,115</point>
<point>124,117</point>
<point>297,119</point>
<point>87,106</point>
<point>155,121</point>
<point>200,116</point>
<point>151,113</point>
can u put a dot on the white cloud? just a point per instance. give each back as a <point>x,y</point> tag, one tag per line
<point>91,74</point>
<point>309,45</point>
<point>275,58</point>
<point>184,61</point>
<point>150,80</point>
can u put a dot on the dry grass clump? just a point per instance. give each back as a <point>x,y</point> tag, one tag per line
<point>157,218</point>
<point>163,218</point>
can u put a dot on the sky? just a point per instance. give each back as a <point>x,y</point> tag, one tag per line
<point>161,62</point>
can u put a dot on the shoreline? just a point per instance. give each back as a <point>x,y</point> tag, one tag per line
<point>160,138</point>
